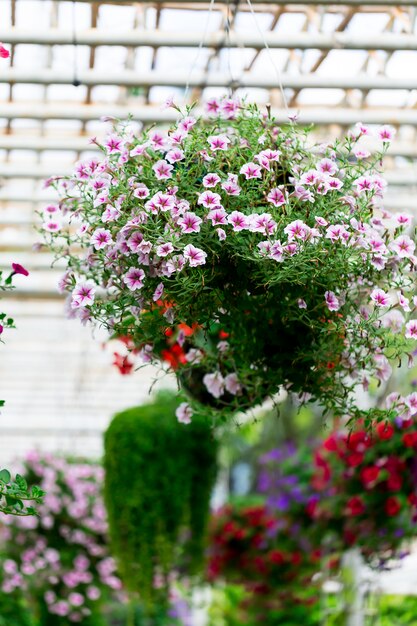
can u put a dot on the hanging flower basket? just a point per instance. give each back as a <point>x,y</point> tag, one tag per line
<point>242,226</point>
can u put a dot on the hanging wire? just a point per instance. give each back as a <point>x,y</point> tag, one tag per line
<point>268,50</point>
<point>76,81</point>
<point>234,82</point>
<point>200,47</point>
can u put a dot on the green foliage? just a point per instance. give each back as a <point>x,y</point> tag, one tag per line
<point>159,476</point>
<point>14,610</point>
<point>15,494</point>
<point>398,610</point>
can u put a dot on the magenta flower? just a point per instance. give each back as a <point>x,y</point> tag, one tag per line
<point>184,413</point>
<point>162,169</point>
<point>361,153</point>
<point>364,183</point>
<point>101,238</point>
<point>83,295</point>
<point>187,123</point>
<point>4,54</point>
<point>195,256</point>
<point>276,196</point>
<point>332,301</point>
<point>214,384</point>
<point>218,142</point>
<point>238,220</point>
<point>190,222</point>
<point>19,269</point>
<point>380,298</point>
<point>251,170</point>
<point>411,329</point>
<point>134,278</point>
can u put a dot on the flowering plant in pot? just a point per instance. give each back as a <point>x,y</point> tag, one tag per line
<point>240,225</point>
<point>369,478</point>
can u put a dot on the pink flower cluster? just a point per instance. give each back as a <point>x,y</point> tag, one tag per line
<point>61,558</point>
<point>159,216</point>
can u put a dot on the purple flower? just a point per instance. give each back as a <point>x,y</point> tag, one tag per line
<point>195,256</point>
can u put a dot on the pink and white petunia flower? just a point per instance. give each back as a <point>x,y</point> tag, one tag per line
<point>184,413</point>
<point>194,256</point>
<point>163,201</point>
<point>162,169</point>
<point>403,219</point>
<point>218,216</point>
<point>297,230</point>
<point>386,133</point>
<point>411,329</point>
<point>332,301</point>
<point>403,246</point>
<point>327,166</point>
<point>158,140</point>
<point>157,295</point>
<point>221,234</point>
<point>209,199</point>
<point>238,220</point>
<point>383,369</point>
<point>134,278</point>
<point>175,155</point>
<point>114,143</point>
<point>164,249</point>
<point>101,238</point>
<point>218,142</point>
<point>83,295</point>
<point>52,226</point>
<point>187,123</point>
<point>215,384</point>
<point>211,180</point>
<point>277,196</point>
<point>232,384</point>
<point>262,223</point>
<point>380,298</point>
<point>141,191</point>
<point>139,149</point>
<point>189,222</point>
<point>411,402</point>
<point>251,170</point>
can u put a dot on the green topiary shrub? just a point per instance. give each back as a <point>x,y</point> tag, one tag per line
<point>159,477</point>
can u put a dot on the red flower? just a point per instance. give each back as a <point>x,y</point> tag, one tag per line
<point>359,441</point>
<point>354,459</point>
<point>223,334</point>
<point>174,355</point>
<point>412,499</point>
<point>4,54</point>
<point>394,482</point>
<point>369,476</point>
<point>123,364</point>
<point>385,430</point>
<point>355,506</point>
<point>410,439</point>
<point>392,506</point>
<point>277,557</point>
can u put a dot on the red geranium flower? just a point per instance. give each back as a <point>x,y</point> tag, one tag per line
<point>369,476</point>
<point>410,439</point>
<point>385,430</point>
<point>392,506</point>
<point>355,506</point>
